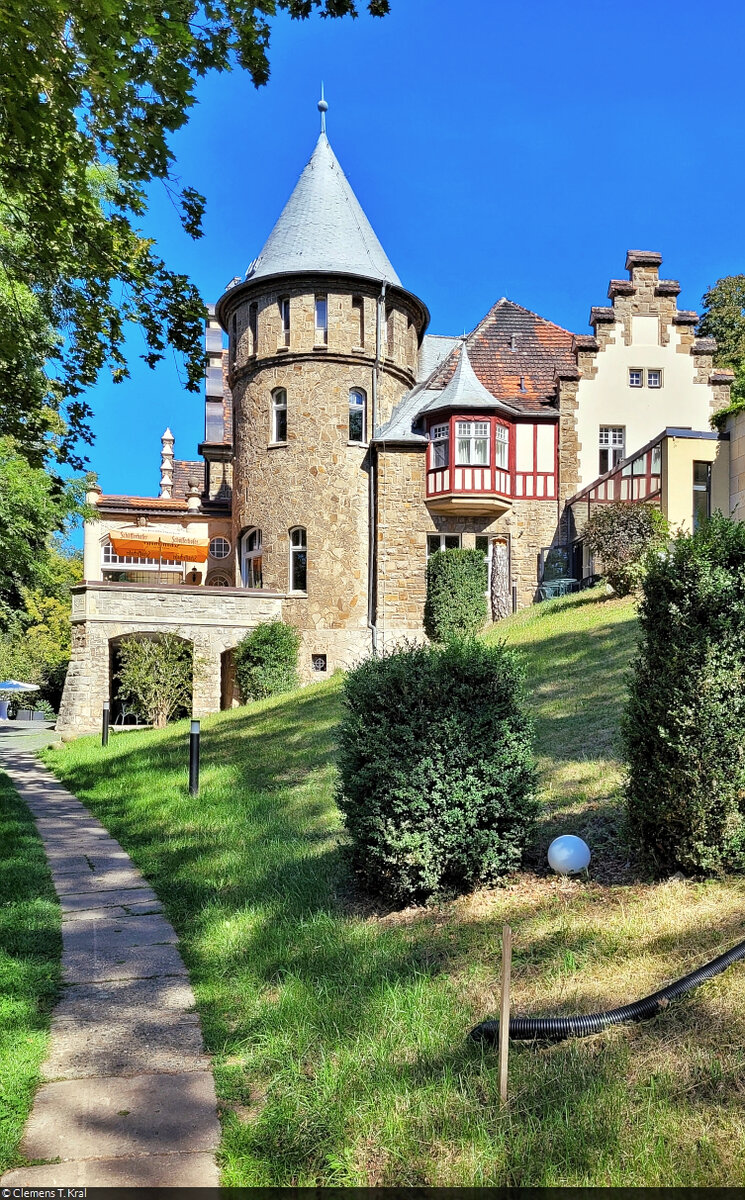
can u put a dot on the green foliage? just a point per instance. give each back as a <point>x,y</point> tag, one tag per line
<point>724,319</point>
<point>266,661</point>
<point>686,712</point>
<point>33,504</point>
<point>622,535</point>
<point>436,770</point>
<point>456,594</point>
<point>155,675</point>
<point>81,86</point>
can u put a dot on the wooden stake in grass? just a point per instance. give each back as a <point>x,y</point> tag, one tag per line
<point>504,1015</point>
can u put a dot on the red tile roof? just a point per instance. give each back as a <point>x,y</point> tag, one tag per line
<point>183,471</point>
<point>541,348</point>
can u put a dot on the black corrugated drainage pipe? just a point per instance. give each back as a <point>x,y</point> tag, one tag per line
<point>556,1029</point>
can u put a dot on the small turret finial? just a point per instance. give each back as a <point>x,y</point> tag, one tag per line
<point>323,109</point>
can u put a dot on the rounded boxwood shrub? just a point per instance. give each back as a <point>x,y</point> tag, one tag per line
<point>683,726</point>
<point>436,769</point>
<point>266,661</point>
<point>456,594</point>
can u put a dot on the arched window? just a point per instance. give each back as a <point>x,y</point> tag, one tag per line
<point>279,415</point>
<point>357,415</point>
<point>251,558</point>
<point>218,579</point>
<point>298,561</point>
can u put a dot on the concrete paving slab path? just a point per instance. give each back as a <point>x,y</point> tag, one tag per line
<point>130,1098</point>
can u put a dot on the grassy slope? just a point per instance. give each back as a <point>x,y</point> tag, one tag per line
<point>30,948</point>
<point>340,1036</point>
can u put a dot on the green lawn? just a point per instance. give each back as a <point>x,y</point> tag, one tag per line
<point>339,1032</point>
<point>30,948</point>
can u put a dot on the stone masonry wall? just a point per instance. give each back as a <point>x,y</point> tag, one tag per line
<point>403,522</point>
<point>213,619</point>
<point>318,479</point>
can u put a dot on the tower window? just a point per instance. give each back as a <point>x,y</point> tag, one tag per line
<point>358,314</point>
<point>284,312</point>
<point>357,415</point>
<point>233,340</point>
<point>279,415</point>
<point>322,321</point>
<point>214,421</point>
<point>611,441</point>
<point>389,332</point>
<point>253,328</point>
<point>251,559</point>
<point>298,560</point>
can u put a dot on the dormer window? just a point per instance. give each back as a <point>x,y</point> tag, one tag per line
<point>322,321</point>
<point>472,443</point>
<point>284,313</point>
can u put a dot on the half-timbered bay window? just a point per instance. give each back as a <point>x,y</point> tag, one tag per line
<point>472,443</point>
<point>501,447</point>
<point>439,436</point>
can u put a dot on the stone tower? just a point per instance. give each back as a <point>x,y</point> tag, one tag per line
<point>323,342</point>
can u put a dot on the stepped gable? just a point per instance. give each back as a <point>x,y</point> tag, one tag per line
<point>510,344</point>
<point>323,228</point>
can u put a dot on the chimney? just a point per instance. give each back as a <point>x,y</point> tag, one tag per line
<point>166,465</point>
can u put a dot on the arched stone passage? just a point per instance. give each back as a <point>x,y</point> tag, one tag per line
<point>229,694</point>
<point>125,711</point>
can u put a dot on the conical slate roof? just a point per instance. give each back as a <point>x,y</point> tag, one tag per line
<point>323,228</point>
<point>465,390</point>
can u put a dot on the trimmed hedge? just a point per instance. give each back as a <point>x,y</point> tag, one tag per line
<point>436,769</point>
<point>266,661</point>
<point>456,594</point>
<point>683,726</point>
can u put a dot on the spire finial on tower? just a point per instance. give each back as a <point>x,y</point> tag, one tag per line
<point>323,109</point>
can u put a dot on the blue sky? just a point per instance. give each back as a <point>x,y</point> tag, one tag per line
<point>497,149</point>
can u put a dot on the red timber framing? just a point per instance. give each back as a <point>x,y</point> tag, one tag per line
<point>531,468</point>
<point>637,478</point>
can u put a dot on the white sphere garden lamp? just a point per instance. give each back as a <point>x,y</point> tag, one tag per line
<point>567,855</point>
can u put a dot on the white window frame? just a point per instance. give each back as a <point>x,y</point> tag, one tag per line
<point>654,371</point>
<point>442,539</point>
<point>357,403</point>
<point>249,557</point>
<point>322,326</point>
<point>296,549</point>
<point>467,435</point>
<point>633,372</point>
<point>284,316</point>
<point>502,447</point>
<point>220,543</point>
<point>279,409</point>
<point>439,436</point>
<point>611,440</point>
<point>217,579</point>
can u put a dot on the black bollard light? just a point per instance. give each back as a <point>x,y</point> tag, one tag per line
<point>194,759</point>
<point>105,724</point>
